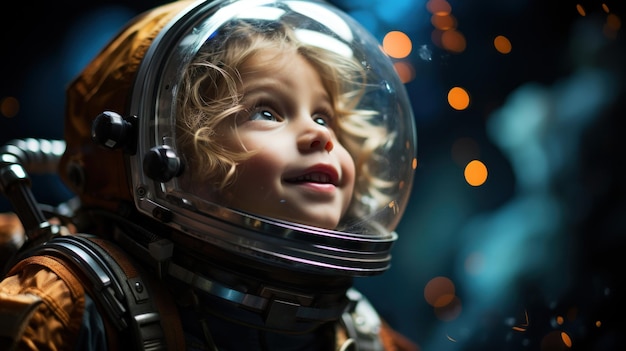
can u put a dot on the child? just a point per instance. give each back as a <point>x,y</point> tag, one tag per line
<point>263,164</point>
<point>235,113</point>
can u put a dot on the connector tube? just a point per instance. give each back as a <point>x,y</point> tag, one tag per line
<point>15,185</point>
<point>16,158</point>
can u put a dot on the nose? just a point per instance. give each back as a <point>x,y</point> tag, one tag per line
<point>328,146</point>
<point>315,137</point>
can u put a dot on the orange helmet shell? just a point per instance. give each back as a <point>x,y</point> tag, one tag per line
<point>98,175</point>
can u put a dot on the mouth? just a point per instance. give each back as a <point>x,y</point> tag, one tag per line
<point>320,174</point>
<point>315,177</point>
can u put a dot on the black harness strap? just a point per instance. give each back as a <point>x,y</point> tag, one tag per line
<point>116,286</point>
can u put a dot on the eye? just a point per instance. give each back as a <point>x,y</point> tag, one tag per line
<point>321,121</point>
<point>324,119</point>
<point>263,115</point>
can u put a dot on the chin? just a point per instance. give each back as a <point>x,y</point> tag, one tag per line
<point>313,219</point>
<point>324,223</point>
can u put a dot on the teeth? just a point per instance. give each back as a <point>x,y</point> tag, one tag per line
<point>313,177</point>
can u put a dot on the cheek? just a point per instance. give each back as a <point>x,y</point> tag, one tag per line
<point>347,166</point>
<point>349,175</point>
<point>253,173</point>
<point>249,187</point>
<point>258,172</point>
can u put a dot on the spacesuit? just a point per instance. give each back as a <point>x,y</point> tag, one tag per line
<point>145,258</point>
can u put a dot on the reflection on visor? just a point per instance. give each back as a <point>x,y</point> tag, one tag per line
<point>323,41</point>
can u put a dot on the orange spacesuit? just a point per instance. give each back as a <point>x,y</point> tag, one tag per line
<point>161,127</point>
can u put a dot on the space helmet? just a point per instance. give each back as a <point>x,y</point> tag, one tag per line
<point>126,144</point>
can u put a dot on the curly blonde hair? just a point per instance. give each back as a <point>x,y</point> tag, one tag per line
<point>210,96</point>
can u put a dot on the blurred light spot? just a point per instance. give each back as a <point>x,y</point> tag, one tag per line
<point>443,22</point>
<point>581,10</point>
<point>555,341</point>
<point>405,71</point>
<point>444,300</point>
<point>474,263</point>
<point>612,25</point>
<point>613,22</point>
<point>458,98</point>
<point>439,291</point>
<point>475,173</point>
<point>436,37</point>
<point>451,338</point>
<point>450,311</point>
<point>605,8</point>
<point>559,320</point>
<point>425,53</point>
<point>397,44</point>
<point>401,184</point>
<point>502,44</point>
<point>598,324</point>
<point>438,7</point>
<point>445,34</point>
<point>464,150</point>
<point>566,339</point>
<point>453,41</point>
<point>9,106</point>
<point>523,326</point>
<point>414,164</point>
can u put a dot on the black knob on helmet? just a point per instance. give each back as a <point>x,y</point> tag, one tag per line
<point>162,164</point>
<point>112,131</point>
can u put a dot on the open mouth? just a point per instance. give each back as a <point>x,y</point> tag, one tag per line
<point>314,177</point>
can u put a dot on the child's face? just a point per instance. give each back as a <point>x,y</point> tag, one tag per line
<point>299,171</point>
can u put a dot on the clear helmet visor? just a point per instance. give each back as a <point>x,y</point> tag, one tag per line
<point>277,130</point>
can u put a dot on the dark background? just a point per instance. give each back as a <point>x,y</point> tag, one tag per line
<point>536,251</point>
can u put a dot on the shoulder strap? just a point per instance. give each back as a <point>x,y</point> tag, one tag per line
<point>129,300</point>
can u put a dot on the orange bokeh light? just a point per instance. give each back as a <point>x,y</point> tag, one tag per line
<point>453,41</point>
<point>502,44</point>
<point>458,98</point>
<point>9,106</point>
<point>443,22</point>
<point>397,44</point>
<point>439,291</point>
<point>438,7</point>
<point>405,71</point>
<point>475,173</point>
<point>566,339</point>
